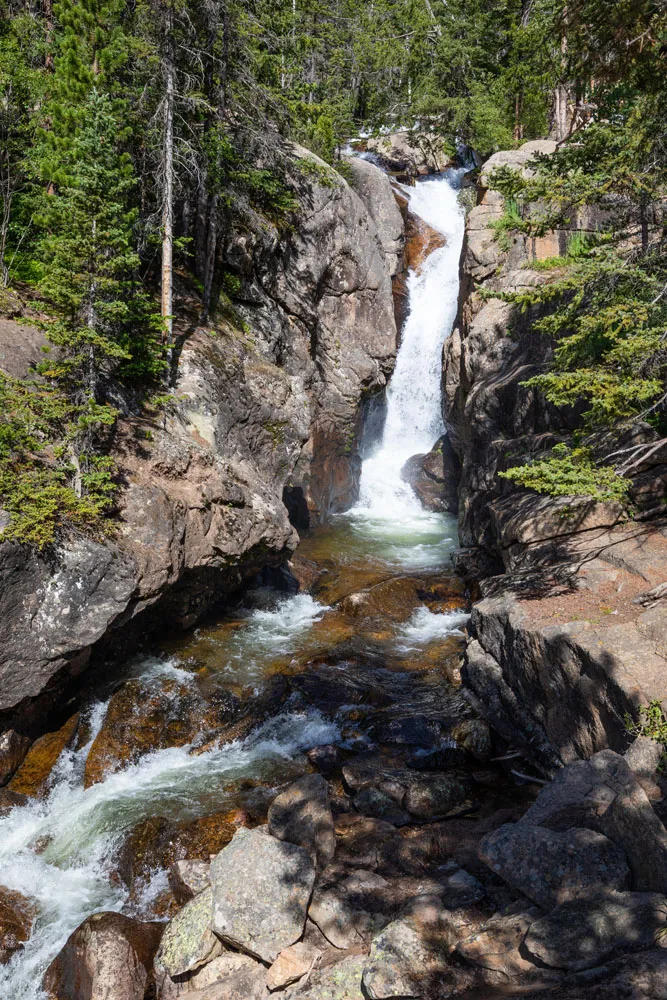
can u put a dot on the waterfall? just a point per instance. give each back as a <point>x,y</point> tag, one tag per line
<point>414,418</point>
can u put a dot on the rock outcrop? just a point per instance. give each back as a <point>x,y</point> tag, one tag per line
<point>572,633</point>
<point>268,410</point>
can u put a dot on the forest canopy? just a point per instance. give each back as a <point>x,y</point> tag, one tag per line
<point>133,133</point>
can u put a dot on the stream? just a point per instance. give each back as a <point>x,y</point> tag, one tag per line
<point>320,660</point>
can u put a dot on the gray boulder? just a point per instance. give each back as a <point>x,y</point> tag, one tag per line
<point>337,982</point>
<point>603,794</point>
<point>261,889</point>
<point>496,945</point>
<point>188,878</point>
<point>550,868</point>
<point>188,941</point>
<point>582,933</point>
<point>302,815</point>
<point>229,977</point>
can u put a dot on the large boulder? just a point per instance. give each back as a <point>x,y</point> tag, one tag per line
<point>302,815</point>
<point>434,477</point>
<point>582,933</point>
<point>108,955</point>
<point>603,794</point>
<point>375,190</point>
<point>550,868</point>
<point>261,889</point>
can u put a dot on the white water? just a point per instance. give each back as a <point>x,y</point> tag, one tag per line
<point>388,507</point>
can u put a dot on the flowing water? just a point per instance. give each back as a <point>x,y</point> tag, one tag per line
<point>59,850</point>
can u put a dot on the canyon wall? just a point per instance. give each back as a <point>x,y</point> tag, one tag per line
<point>571,633</point>
<point>267,410</point>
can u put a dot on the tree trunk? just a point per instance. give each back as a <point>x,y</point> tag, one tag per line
<point>168,182</point>
<point>211,247</point>
<point>48,21</point>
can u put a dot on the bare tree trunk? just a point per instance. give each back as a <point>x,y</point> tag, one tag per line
<point>48,20</point>
<point>168,183</point>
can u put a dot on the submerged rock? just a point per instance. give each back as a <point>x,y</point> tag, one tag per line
<point>108,955</point>
<point>302,815</point>
<point>261,889</point>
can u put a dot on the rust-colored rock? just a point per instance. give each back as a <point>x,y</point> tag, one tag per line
<point>33,774</point>
<point>13,748</point>
<point>421,241</point>
<point>107,956</point>
<point>16,918</point>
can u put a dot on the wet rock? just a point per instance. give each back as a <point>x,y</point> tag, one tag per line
<point>434,477</point>
<point>374,802</point>
<point>261,889</point>
<point>582,933</point>
<point>32,776</point>
<point>302,815</point>
<point>145,717</point>
<point>496,945</point>
<point>13,748</point>
<point>291,965</point>
<point>108,955</point>
<point>338,982</point>
<point>474,735</point>
<point>16,919</point>
<point>603,794</point>
<point>431,796</point>
<point>550,868</point>
<point>393,600</point>
<point>229,977</point>
<point>188,941</point>
<point>409,956</point>
<point>188,878</point>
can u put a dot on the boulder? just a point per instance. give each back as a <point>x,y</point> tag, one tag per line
<point>343,924</point>
<point>188,941</point>
<point>337,982</point>
<point>434,795</point>
<point>497,944</point>
<point>302,815</point>
<point>374,802</point>
<point>434,477</point>
<point>229,977</point>
<point>409,958</point>
<point>550,868</point>
<point>291,965</point>
<point>188,878</point>
<point>261,890</point>
<point>108,955</point>
<point>603,794</point>
<point>582,933</point>
<point>17,915</point>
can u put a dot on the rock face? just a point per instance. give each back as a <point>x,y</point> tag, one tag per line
<point>572,637</point>
<point>268,405</point>
<point>261,888</point>
<point>107,956</point>
<point>434,477</point>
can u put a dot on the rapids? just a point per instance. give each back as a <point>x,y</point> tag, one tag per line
<point>59,850</point>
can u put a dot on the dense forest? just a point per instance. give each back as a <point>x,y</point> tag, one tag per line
<point>135,133</point>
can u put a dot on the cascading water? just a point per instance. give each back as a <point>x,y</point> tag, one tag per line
<point>59,850</point>
<point>388,507</point>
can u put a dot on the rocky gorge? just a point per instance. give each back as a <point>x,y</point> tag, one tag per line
<point>371,773</point>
